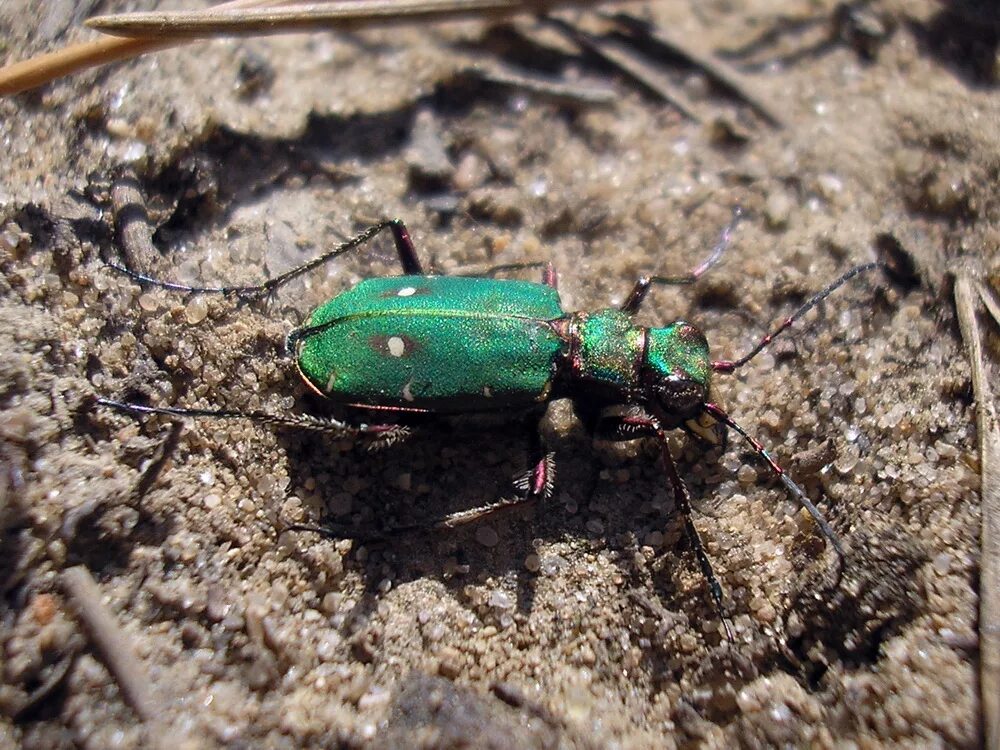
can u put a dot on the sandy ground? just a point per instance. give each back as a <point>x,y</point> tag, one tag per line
<point>585,623</point>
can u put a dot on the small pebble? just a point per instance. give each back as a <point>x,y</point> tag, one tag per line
<point>196,310</point>
<point>487,536</point>
<point>149,302</point>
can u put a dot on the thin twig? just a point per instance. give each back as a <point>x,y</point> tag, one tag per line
<point>989,298</point>
<point>115,648</point>
<point>562,93</point>
<point>37,71</point>
<point>343,15</point>
<point>629,63</point>
<point>989,562</point>
<point>239,16</point>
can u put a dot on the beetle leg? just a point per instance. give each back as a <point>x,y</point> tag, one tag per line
<point>534,484</point>
<point>625,427</point>
<point>635,298</point>
<point>550,277</point>
<point>326,426</point>
<point>450,521</point>
<point>538,481</point>
<point>683,502</point>
<point>640,425</point>
<point>401,237</point>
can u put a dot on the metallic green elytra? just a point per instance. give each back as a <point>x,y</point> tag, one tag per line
<point>455,345</point>
<point>436,342</point>
<point>406,349</point>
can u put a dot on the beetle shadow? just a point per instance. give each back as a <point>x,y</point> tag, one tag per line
<point>437,471</point>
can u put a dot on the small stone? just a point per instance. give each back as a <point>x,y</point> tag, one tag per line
<point>196,310</point>
<point>487,536</point>
<point>746,474</point>
<point>777,210</point>
<point>149,302</point>
<point>449,663</point>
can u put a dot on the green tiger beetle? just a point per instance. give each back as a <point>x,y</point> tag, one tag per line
<point>392,350</point>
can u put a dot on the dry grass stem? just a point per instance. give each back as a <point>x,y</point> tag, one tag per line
<point>114,646</point>
<point>347,15</point>
<point>150,32</point>
<point>631,64</point>
<point>966,291</point>
<point>718,70</point>
<point>37,71</point>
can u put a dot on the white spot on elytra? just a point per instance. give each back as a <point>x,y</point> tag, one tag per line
<point>488,392</point>
<point>407,393</point>
<point>330,381</point>
<point>396,346</point>
<point>406,291</point>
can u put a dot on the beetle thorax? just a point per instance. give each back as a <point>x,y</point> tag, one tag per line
<point>619,362</point>
<point>607,349</point>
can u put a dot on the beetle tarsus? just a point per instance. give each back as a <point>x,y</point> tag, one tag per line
<point>539,480</point>
<point>384,436</point>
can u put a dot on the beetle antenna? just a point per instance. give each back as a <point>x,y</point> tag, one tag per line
<point>727,365</point>
<point>793,489</point>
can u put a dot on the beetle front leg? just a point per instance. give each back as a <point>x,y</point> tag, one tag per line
<point>683,502</point>
<point>632,426</point>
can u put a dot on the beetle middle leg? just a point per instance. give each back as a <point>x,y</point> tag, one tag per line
<point>401,237</point>
<point>535,484</point>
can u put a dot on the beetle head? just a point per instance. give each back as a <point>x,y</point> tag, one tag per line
<point>676,369</point>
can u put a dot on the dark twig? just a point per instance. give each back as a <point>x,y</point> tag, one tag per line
<point>135,235</point>
<point>719,71</point>
<point>52,682</point>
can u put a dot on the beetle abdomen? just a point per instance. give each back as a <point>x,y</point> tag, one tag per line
<point>435,342</point>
